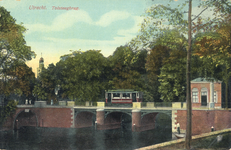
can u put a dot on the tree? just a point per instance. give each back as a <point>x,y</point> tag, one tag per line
<point>215,46</point>
<point>172,78</point>
<point>125,74</point>
<point>161,17</point>
<point>84,75</point>
<point>7,111</point>
<point>165,63</point>
<point>45,85</point>
<point>13,47</point>
<point>22,78</point>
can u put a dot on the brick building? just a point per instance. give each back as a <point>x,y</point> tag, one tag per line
<point>206,93</point>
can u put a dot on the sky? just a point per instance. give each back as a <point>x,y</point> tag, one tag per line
<point>87,24</point>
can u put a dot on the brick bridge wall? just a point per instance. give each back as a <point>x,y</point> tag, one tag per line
<point>203,120</point>
<point>40,117</point>
<point>64,117</point>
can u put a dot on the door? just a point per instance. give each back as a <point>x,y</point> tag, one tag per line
<point>204,93</point>
<point>204,100</point>
<point>133,97</point>
<point>109,98</point>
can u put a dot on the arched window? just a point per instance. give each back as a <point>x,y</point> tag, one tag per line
<point>204,92</point>
<point>195,95</point>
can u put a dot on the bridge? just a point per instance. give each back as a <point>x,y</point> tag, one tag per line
<point>137,117</point>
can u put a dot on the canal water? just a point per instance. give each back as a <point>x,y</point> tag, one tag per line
<point>35,138</point>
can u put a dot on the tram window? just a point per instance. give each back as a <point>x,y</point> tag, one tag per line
<point>116,94</point>
<point>126,94</point>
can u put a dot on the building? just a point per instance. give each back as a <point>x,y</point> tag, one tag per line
<point>41,66</point>
<point>206,93</point>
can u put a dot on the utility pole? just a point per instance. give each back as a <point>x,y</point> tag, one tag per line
<point>188,136</point>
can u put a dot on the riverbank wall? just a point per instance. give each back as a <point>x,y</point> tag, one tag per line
<point>204,120</point>
<point>216,139</point>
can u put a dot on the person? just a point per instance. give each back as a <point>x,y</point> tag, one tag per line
<point>212,129</point>
<point>178,128</point>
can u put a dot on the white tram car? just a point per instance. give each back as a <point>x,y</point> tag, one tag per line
<point>123,96</point>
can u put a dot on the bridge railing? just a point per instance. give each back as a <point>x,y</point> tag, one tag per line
<point>163,104</point>
<point>156,104</point>
<point>87,104</point>
<point>176,105</point>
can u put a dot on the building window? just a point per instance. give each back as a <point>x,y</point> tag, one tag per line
<point>195,95</point>
<point>215,97</point>
<point>116,94</point>
<point>126,95</point>
<point>203,93</point>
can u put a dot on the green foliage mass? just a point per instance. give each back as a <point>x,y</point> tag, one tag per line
<point>125,71</point>
<point>84,75</point>
<point>6,111</point>
<point>13,50</point>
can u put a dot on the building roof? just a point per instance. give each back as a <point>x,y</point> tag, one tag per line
<point>122,90</point>
<point>41,60</point>
<point>205,80</point>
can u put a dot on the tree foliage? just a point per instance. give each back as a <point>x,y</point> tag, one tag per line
<point>216,48</point>
<point>13,47</point>
<point>22,78</point>
<point>6,111</point>
<point>84,75</point>
<point>125,74</point>
<point>44,88</point>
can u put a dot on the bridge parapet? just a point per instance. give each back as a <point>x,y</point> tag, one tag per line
<point>100,104</point>
<point>134,105</point>
<point>40,104</point>
<point>70,103</point>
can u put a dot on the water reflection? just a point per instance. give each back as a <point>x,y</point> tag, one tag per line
<point>31,138</point>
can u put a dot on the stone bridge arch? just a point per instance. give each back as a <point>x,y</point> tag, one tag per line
<point>163,121</point>
<point>25,117</point>
<point>84,119</point>
<point>118,119</point>
<point>148,120</point>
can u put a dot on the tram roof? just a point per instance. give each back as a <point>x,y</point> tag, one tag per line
<point>122,90</point>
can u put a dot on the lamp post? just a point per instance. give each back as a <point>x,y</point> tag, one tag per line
<point>57,91</point>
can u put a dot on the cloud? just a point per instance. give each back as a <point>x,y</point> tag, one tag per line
<point>128,34</point>
<point>69,18</point>
<point>112,16</point>
<point>61,22</point>
<point>107,46</point>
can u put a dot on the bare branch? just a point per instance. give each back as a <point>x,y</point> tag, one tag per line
<point>200,13</point>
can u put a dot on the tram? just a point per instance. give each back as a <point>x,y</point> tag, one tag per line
<point>123,96</point>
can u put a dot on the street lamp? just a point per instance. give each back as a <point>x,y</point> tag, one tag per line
<point>57,91</point>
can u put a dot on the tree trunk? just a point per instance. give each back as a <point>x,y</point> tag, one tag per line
<point>188,92</point>
<point>226,88</point>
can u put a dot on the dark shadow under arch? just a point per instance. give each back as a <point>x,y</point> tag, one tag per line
<point>163,121</point>
<point>25,118</point>
<point>84,119</point>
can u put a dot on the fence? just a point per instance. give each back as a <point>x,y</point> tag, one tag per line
<point>130,105</point>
